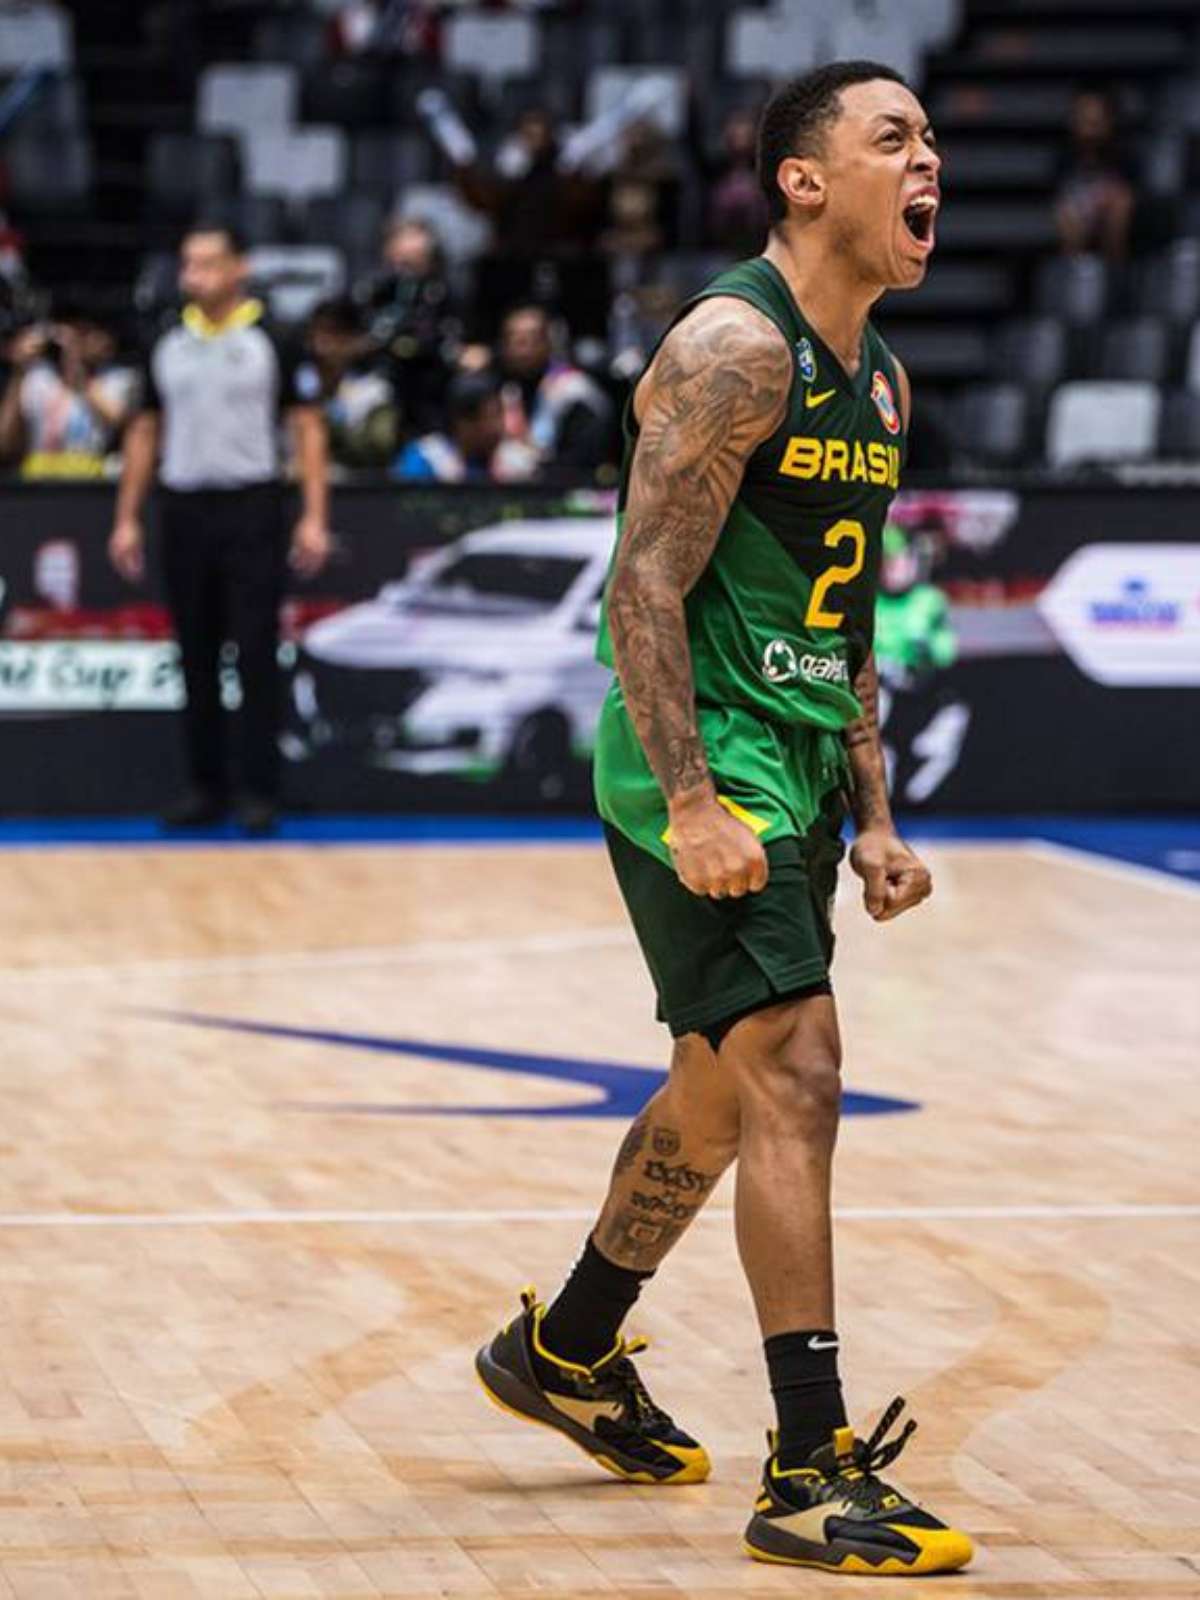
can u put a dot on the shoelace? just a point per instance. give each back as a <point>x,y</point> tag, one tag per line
<point>620,1378</point>
<point>871,1456</point>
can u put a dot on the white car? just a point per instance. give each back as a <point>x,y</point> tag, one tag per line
<point>482,663</point>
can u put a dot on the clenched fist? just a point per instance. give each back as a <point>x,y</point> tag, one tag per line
<point>894,878</point>
<point>714,853</point>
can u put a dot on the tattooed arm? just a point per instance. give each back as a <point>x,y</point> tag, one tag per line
<point>894,878</point>
<point>716,390</point>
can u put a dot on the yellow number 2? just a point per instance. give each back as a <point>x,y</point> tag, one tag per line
<point>816,616</point>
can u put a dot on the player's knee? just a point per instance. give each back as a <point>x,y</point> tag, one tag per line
<point>705,1098</point>
<point>793,1079</point>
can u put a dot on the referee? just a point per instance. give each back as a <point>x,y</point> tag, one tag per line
<point>215,386</point>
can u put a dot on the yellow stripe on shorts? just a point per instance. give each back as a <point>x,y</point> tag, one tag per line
<point>756,825</point>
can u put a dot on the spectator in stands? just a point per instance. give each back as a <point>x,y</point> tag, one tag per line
<point>643,193</point>
<point>345,375</point>
<point>384,27</point>
<point>538,205</point>
<point>1095,197</point>
<point>468,452</point>
<point>557,420</point>
<point>67,397</point>
<point>737,210</point>
<point>411,315</point>
<point>12,254</point>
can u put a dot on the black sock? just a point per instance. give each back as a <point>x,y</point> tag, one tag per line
<point>803,1369</point>
<point>583,1322</point>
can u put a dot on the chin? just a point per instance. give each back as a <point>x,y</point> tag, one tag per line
<point>909,274</point>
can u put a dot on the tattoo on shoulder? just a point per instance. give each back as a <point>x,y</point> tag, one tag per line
<point>717,390</point>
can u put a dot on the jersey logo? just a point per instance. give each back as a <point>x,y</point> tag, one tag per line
<point>812,400</point>
<point>881,393</point>
<point>805,360</point>
<point>781,664</point>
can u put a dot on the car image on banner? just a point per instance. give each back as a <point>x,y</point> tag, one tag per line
<point>1039,649</point>
<point>481,664</point>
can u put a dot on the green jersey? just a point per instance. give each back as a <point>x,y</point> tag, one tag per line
<point>782,618</point>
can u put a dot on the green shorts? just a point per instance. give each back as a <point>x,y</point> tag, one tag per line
<point>713,961</point>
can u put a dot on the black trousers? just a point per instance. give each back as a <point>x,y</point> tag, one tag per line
<point>224,555</point>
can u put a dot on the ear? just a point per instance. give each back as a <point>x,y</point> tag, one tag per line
<point>802,183</point>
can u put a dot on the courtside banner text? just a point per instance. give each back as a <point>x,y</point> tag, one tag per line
<point>1038,650</point>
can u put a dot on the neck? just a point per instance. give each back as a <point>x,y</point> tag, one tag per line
<point>834,302</point>
<point>221,310</point>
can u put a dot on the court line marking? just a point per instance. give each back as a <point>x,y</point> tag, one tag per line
<point>614,934</point>
<point>1149,877</point>
<point>436,1218</point>
<point>610,936</point>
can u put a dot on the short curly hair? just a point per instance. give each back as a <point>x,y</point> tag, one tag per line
<point>796,116</point>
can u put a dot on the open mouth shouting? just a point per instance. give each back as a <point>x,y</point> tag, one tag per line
<point>919,216</point>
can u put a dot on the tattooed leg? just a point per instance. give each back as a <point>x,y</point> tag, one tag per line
<point>670,1160</point>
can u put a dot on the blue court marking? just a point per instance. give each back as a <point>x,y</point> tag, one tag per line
<point>624,1090</point>
<point>1169,844</point>
<point>367,829</point>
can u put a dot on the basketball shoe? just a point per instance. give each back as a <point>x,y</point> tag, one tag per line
<point>604,1409</point>
<point>835,1513</point>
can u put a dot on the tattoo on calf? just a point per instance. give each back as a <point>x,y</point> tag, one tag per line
<point>662,1205</point>
<point>682,1177</point>
<point>666,1142</point>
<point>632,1239</point>
<point>632,1144</point>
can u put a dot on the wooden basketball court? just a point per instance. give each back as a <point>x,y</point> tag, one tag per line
<point>242,1284</point>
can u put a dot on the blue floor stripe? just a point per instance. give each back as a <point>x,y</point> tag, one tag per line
<point>1165,843</point>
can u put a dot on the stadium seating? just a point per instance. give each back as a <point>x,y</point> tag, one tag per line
<point>1096,422</point>
<point>295,163</point>
<point>492,46</point>
<point>991,424</point>
<point>35,36</point>
<point>1134,349</point>
<point>248,99</point>
<point>305,147</point>
<point>1179,428</point>
<point>189,173</point>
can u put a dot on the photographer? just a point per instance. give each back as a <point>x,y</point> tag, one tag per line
<point>411,318</point>
<point>67,398</point>
<point>343,374</point>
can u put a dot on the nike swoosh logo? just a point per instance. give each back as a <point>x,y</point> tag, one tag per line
<point>822,1344</point>
<point>811,400</point>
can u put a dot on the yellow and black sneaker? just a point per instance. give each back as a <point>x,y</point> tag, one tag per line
<point>603,1409</point>
<point>835,1513</point>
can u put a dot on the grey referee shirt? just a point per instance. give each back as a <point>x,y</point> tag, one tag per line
<point>221,388</point>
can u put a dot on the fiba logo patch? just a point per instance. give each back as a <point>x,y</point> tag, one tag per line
<point>780,664</point>
<point>885,404</point>
<point>805,360</point>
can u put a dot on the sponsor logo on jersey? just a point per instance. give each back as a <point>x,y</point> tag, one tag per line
<point>847,460</point>
<point>1129,614</point>
<point>782,664</point>
<point>805,360</point>
<point>812,401</point>
<point>885,404</point>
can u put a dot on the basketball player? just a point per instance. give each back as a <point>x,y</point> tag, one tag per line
<point>765,441</point>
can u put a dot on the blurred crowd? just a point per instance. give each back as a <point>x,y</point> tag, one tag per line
<point>403,387</point>
<point>514,371</point>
